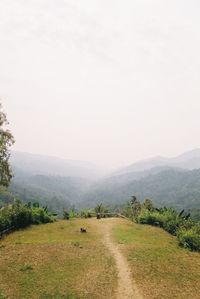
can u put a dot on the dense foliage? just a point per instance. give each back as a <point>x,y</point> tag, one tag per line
<point>54,191</point>
<point>6,140</point>
<point>18,215</point>
<point>172,187</point>
<point>180,189</point>
<point>177,224</point>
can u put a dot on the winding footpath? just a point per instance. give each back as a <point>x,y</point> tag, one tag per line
<point>127,288</point>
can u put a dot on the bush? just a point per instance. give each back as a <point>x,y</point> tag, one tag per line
<point>177,224</point>
<point>85,214</point>
<point>65,214</point>
<point>39,215</point>
<point>21,216</point>
<point>5,222</point>
<point>146,217</point>
<point>171,226</point>
<point>17,216</point>
<point>189,239</point>
<point>152,218</point>
<point>166,218</point>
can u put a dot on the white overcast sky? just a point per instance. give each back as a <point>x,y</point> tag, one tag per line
<point>108,81</point>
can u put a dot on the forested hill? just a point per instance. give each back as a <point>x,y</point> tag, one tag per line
<point>177,188</point>
<point>171,187</point>
<point>37,180</point>
<point>54,191</point>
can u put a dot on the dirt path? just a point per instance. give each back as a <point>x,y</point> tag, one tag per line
<point>127,289</point>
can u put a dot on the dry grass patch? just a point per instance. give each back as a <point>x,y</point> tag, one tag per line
<point>58,262</point>
<point>159,266</point>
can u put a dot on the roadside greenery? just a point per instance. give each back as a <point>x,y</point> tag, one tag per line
<point>17,215</point>
<point>175,223</point>
<point>86,213</point>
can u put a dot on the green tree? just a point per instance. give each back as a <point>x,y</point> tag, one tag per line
<point>148,204</point>
<point>101,210</point>
<point>133,200</point>
<point>135,206</point>
<point>6,140</point>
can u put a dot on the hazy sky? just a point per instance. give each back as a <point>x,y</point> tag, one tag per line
<point>106,81</point>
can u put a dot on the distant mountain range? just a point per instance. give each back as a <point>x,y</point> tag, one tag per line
<point>52,181</point>
<point>188,160</point>
<point>64,183</point>
<point>170,181</point>
<point>31,164</point>
<point>56,192</point>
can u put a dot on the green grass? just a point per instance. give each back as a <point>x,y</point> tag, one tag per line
<point>57,261</point>
<point>1,294</point>
<point>159,266</point>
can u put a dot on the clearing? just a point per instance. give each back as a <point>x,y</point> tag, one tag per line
<point>114,259</point>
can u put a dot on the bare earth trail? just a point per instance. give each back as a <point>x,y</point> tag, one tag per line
<point>127,288</point>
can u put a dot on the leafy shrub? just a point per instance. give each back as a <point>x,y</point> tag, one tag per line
<point>85,214</point>
<point>39,215</point>
<point>152,218</point>
<point>21,216</point>
<point>17,216</point>
<point>189,239</point>
<point>72,214</point>
<point>171,226</point>
<point>167,218</point>
<point>177,224</point>
<point>65,214</point>
<point>5,221</point>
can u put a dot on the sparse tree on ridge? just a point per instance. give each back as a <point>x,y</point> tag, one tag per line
<point>148,204</point>
<point>100,210</point>
<point>135,206</point>
<point>6,140</point>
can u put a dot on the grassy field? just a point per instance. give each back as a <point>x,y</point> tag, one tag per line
<point>159,266</point>
<point>56,261</point>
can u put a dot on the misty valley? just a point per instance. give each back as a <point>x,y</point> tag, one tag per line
<point>67,184</point>
<point>99,149</point>
<point>65,222</point>
<point>70,230</point>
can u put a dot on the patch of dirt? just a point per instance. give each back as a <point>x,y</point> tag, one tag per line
<point>127,288</point>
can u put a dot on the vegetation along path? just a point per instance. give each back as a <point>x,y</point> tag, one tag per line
<point>126,287</point>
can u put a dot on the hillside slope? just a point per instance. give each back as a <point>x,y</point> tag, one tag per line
<point>39,178</point>
<point>54,191</point>
<point>114,259</point>
<point>180,189</point>
<point>188,160</point>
